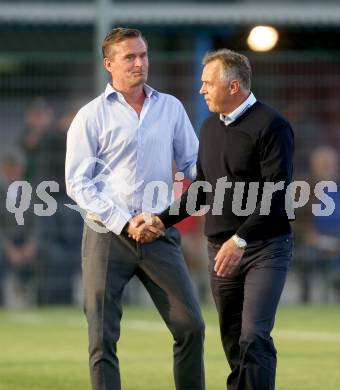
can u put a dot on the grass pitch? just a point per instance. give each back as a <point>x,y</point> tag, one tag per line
<point>47,349</point>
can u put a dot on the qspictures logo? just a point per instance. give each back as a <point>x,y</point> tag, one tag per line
<point>106,191</point>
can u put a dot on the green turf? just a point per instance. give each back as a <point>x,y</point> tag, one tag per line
<point>47,349</point>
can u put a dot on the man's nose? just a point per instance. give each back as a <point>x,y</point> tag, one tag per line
<point>138,61</point>
<point>202,90</point>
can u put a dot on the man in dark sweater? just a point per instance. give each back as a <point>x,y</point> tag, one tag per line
<point>244,167</point>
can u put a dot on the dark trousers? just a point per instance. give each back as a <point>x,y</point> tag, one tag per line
<point>109,262</point>
<point>246,302</point>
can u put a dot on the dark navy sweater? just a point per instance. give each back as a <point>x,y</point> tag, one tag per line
<point>258,148</point>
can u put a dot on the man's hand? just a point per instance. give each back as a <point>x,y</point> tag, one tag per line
<point>228,258</point>
<point>29,251</point>
<point>15,255</point>
<point>145,228</point>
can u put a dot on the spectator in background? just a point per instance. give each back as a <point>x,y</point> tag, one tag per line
<point>308,130</point>
<point>59,253</point>
<point>60,234</point>
<point>38,122</point>
<point>51,159</point>
<point>18,248</point>
<point>318,237</point>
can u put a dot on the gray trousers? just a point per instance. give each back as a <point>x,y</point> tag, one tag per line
<point>108,263</point>
<point>246,302</point>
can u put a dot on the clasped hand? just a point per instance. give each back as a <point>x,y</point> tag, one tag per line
<point>145,227</point>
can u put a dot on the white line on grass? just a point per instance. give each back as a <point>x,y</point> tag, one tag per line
<point>306,335</point>
<point>158,326</point>
<point>153,326</point>
<point>37,319</point>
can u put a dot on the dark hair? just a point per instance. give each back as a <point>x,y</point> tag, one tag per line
<point>119,34</point>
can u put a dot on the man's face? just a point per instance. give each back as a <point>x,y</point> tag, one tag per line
<point>12,170</point>
<point>128,63</point>
<point>215,91</point>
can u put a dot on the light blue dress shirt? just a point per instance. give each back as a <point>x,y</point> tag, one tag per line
<point>119,164</point>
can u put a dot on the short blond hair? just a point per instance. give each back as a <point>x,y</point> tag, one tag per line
<point>235,66</point>
<point>119,34</point>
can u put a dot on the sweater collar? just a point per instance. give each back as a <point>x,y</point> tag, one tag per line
<point>243,107</point>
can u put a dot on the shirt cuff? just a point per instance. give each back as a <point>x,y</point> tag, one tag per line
<point>193,172</point>
<point>117,222</point>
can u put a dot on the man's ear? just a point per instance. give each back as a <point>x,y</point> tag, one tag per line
<point>108,64</point>
<point>234,87</point>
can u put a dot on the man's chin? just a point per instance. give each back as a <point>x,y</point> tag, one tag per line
<point>211,109</point>
<point>138,81</point>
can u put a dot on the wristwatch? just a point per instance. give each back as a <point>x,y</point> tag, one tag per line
<point>240,242</point>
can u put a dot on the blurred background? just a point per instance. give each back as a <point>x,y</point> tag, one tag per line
<point>50,66</point>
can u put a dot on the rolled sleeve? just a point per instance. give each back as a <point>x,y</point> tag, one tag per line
<point>185,144</point>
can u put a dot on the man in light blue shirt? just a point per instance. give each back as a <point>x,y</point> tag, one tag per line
<point>120,150</point>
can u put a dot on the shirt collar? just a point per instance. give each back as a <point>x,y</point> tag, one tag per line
<point>227,119</point>
<point>110,91</point>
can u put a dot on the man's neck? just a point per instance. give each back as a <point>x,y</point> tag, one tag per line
<point>134,94</point>
<point>241,98</point>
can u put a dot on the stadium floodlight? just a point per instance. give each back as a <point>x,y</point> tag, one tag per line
<point>262,38</point>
